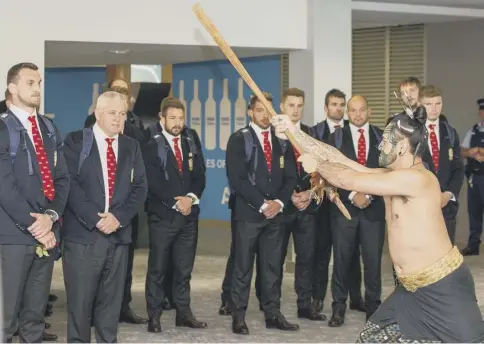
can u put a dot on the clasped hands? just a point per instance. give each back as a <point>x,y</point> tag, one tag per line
<point>41,230</point>
<point>477,153</point>
<point>270,209</point>
<point>184,205</point>
<point>108,223</point>
<point>301,200</point>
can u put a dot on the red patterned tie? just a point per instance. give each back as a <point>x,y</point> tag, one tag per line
<point>361,148</point>
<point>178,154</point>
<point>267,150</point>
<point>111,161</point>
<point>298,164</point>
<point>46,174</point>
<point>434,146</point>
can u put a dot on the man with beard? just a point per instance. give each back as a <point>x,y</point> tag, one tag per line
<point>262,188</point>
<point>176,181</point>
<point>35,187</point>
<point>334,106</point>
<point>435,300</point>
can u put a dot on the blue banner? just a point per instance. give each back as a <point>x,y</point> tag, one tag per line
<point>216,101</point>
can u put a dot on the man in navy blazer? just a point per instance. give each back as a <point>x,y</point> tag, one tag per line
<point>34,185</point>
<point>107,191</point>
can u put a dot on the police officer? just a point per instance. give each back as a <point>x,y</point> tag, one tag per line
<point>473,149</point>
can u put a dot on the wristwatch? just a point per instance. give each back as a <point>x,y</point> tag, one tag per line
<point>192,198</point>
<point>52,214</point>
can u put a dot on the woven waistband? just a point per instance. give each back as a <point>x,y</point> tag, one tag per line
<point>433,273</point>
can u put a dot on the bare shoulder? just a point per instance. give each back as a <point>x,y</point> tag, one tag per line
<point>416,180</point>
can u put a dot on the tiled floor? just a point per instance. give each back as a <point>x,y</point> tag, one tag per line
<point>206,282</point>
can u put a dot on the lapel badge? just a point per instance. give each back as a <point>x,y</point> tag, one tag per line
<point>281,161</point>
<point>55,158</point>
<point>190,162</point>
<point>132,175</point>
<point>451,154</point>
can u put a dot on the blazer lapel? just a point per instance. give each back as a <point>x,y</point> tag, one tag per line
<point>373,149</point>
<point>444,147</point>
<point>348,145</point>
<point>96,163</point>
<point>122,161</point>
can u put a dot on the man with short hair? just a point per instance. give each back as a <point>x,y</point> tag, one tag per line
<point>176,181</point>
<point>35,187</point>
<point>435,300</point>
<point>442,155</point>
<point>334,106</point>
<point>108,188</point>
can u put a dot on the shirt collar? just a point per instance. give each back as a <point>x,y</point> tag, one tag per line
<point>21,114</point>
<point>332,124</point>
<point>258,130</point>
<point>365,127</point>
<point>437,122</point>
<point>101,134</point>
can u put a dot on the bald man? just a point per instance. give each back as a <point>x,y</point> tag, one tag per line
<point>359,141</point>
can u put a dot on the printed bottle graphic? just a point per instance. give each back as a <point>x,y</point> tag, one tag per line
<point>240,107</point>
<point>95,95</point>
<point>196,111</point>
<point>181,94</point>
<point>210,119</point>
<point>225,116</point>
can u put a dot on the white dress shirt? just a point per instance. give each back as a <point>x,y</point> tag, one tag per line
<point>355,134</point>
<point>102,147</point>
<point>169,137</point>
<point>331,125</point>
<point>23,116</point>
<point>258,131</point>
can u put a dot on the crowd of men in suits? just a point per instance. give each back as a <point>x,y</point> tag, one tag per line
<point>78,199</point>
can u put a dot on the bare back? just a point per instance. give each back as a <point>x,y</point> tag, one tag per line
<point>417,235</point>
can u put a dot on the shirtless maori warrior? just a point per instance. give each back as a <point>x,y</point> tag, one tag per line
<point>435,300</point>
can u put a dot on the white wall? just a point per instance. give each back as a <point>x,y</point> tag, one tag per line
<point>455,63</point>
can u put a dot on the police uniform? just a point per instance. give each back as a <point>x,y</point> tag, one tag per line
<point>475,176</point>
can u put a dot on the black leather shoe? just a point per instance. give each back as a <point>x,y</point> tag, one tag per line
<point>224,309</point>
<point>318,305</point>
<point>154,324</point>
<point>358,306</point>
<point>239,326</point>
<point>47,325</point>
<point>167,305</point>
<point>311,314</point>
<point>52,298</point>
<point>189,320</point>
<point>129,316</point>
<point>337,319</point>
<point>49,337</point>
<point>281,323</point>
<point>470,251</point>
<point>48,310</point>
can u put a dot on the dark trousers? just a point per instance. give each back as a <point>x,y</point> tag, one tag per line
<point>229,270</point>
<point>347,235</point>
<point>129,272</point>
<point>475,208</point>
<point>322,258</point>
<point>180,239</point>
<point>302,226</point>
<point>267,238</point>
<point>94,277</point>
<point>26,280</point>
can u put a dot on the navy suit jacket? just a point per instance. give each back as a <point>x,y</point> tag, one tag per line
<point>87,196</point>
<point>22,193</point>
<point>451,171</point>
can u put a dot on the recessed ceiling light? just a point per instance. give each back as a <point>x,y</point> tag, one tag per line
<point>120,52</point>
